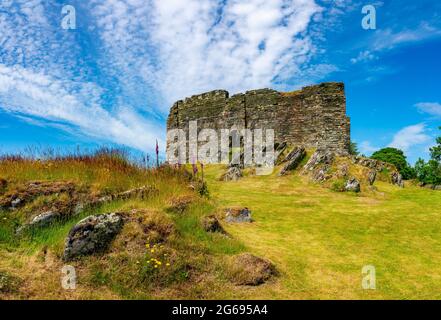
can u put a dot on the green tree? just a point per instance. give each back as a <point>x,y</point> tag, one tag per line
<point>435,152</point>
<point>398,159</point>
<point>353,149</point>
<point>430,172</point>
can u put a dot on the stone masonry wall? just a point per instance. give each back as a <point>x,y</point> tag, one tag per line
<point>313,117</point>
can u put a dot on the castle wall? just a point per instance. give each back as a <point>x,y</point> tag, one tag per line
<point>314,116</point>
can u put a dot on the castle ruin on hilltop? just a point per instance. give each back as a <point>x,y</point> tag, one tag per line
<point>314,117</point>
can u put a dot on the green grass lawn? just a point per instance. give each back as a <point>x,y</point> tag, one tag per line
<point>320,239</point>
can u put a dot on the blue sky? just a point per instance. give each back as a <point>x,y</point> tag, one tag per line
<point>113,79</point>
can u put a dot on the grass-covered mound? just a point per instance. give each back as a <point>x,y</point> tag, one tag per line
<point>162,251</point>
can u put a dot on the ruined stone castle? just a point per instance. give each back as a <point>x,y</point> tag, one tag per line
<point>314,117</point>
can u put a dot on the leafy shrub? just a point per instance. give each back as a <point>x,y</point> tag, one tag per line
<point>397,158</point>
<point>430,172</point>
<point>338,186</point>
<point>202,189</point>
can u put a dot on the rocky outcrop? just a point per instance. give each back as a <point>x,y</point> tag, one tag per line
<point>319,165</point>
<point>249,270</point>
<point>372,175</point>
<point>180,204</point>
<point>293,159</point>
<point>92,235</point>
<point>320,157</point>
<point>397,179</point>
<point>28,192</point>
<point>372,163</point>
<point>238,215</point>
<point>143,192</point>
<point>377,166</point>
<point>342,171</point>
<point>212,224</point>
<point>279,150</point>
<point>40,221</point>
<point>233,174</point>
<point>353,185</point>
<point>63,210</point>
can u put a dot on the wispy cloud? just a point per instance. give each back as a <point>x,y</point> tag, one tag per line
<point>24,92</point>
<point>430,108</point>
<point>364,56</point>
<point>410,136</point>
<point>366,147</point>
<point>389,39</point>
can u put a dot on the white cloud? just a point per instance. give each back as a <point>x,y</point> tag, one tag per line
<point>364,56</point>
<point>410,136</point>
<point>431,108</point>
<point>366,147</point>
<point>388,39</point>
<point>148,54</point>
<point>183,47</point>
<point>38,95</point>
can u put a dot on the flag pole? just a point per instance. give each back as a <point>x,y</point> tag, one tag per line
<point>157,154</point>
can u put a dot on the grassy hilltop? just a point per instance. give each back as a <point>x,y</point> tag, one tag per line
<point>317,239</point>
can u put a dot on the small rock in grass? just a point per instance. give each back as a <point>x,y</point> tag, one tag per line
<point>249,270</point>
<point>180,204</point>
<point>212,224</point>
<point>353,185</point>
<point>40,221</point>
<point>15,203</point>
<point>238,215</point>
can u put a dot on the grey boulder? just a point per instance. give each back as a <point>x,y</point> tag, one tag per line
<point>212,224</point>
<point>238,215</point>
<point>353,185</point>
<point>372,175</point>
<point>92,235</point>
<point>397,179</point>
